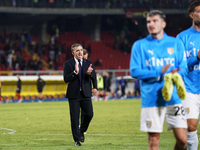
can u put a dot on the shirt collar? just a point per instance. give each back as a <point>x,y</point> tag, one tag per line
<point>76,60</point>
<point>151,38</point>
<point>193,30</point>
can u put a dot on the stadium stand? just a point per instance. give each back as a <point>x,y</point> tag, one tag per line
<point>33,54</point>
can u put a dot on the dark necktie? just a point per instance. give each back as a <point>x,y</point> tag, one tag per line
<point>79,66</point>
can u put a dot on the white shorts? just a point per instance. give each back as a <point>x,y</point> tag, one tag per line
<point>176,117</point>
<point>152,118</point>
<point>191,105</point>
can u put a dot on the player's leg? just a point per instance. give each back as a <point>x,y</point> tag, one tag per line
<point>176,120</point>
<point>192,134</point>
<point>153,140</point>
<point>40,97</point>
<point>151,121</point>
<point>20,98</point>
<point>191,105</point>
<point>181,138</point>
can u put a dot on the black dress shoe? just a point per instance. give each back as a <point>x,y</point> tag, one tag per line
<point>82,137</point>
<point>77,143</point>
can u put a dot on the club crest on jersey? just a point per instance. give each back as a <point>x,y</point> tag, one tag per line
<point>148,123</point>
<point>170,50</point>
<point>187,110</point>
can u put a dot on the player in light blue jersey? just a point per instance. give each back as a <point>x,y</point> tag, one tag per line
<point>191,41</point>
<point>151,58</point>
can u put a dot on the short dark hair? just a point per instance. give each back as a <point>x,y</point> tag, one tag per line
<point>75,45</point>
<point>85,51</point>
<point>192,6</point>
<point>156,12</point>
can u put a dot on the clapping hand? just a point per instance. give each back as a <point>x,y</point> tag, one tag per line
<point>175,70</point>
<point>166,67</point>
<point>76,68</point>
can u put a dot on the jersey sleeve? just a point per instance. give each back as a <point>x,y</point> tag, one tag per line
<point>191,61</point>
<point>182,59</point>
<point>136,69</point>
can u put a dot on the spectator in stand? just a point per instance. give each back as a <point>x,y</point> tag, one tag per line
<point>56,64</point>
<point>4,36</point>
<point>23,40</point>
<point>35,66</point>
<point>116,43</point>
<point>97,63</point>
<point>123,86</point>
<point>40,84</point>
<point>23,64</point>
<point>14,61</point>
<point>125,46</point>
<point>30,64</point>
<point>3,60</point>
<point>9,59</point>
<point>52,53</point>
<point>57,31</point>
<point>18,89</point>
<point>7,47</point>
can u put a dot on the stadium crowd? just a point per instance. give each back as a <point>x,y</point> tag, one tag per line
<point>99,3</point>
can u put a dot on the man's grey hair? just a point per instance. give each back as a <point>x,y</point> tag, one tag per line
<point>75,45</point>
<point>156,12</point>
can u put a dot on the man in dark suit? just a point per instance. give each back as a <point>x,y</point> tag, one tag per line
<point>78,73</point>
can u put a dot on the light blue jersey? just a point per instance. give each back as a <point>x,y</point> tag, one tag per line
<point>191,41</point>
<point>148,56</point>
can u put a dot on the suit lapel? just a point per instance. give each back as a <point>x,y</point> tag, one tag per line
<point>73,62</point>
<point>84,65</point>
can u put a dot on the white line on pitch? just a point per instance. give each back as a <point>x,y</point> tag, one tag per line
<point>87,134</point>
<point>59,134</point>
<point>12,131</point>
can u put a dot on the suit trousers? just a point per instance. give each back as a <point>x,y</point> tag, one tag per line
<point>75,105</point>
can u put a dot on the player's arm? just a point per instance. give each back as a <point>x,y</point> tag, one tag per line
<point>191,61</point>
<point>43,82</point>
<point>182,59</point>
<point>136,69</point>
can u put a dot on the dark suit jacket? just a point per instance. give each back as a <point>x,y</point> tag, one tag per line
<point>73,81</point>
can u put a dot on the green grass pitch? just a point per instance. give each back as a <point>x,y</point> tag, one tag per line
<point>46,126</point>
